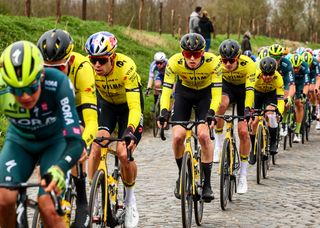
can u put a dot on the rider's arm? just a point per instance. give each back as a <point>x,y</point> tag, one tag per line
<point>151,74</point>
<point>85,84</point>
<point>167,86</point>
<point>71,128</point>
<point>250,80</point>
<point>306,74</point>
<point>216,85</point>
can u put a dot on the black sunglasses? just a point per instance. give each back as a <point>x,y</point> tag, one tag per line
<point>101,61</point>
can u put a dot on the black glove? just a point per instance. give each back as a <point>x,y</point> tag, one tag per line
<point>164,116</point>
<point>128,135</point>
<point>147,92</point>
<point>247,114</point>
<point>210,117</point>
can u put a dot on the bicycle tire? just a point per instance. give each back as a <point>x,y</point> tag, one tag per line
<point>36,219</point>
<point>285,140</point>
<point>233,176</point>
<point>199,203</point>
<point>186,190</point>
<point>265,156</point>
<point>259,145</point>
<point>71,197</point>
<point>225,174</point>
<point>308,123</point>
<point>156,113</point>
<point>98,183</point>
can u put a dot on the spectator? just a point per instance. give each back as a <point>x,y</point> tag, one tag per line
<point>206,29</point>
<point>194,20</point>
<point>245,45</point>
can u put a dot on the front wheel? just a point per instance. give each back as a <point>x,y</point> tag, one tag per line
<point>97,200</point>
<point>198,203</point>
<point>156,113</point>
<point>225,174</point>
<point>186,190</point>
<point>259,153</point>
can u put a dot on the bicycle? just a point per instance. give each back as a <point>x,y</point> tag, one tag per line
<point>306,122</point>
<point>23,202</point>
<point>229,162</point>
<point>192,177</point>
<point>291,126</point>
<point>106,200</point>
<point>155,114</point>
<point>261,146</point>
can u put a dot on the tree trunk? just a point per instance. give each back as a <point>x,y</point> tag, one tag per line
<point>172,22</point>
<point>239,28</point>
<point>179,26</point>
<point>110,13</point>
<point>160,17</point>
<point>141,14</point>
<point>27,7</point>
<point>58,14</point>
<point>84,9</point>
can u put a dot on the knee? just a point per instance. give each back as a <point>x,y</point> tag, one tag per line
<point>95,151</point>
<point>204,138</point>
<point>178,140</point>
<point>7,200</point>
<point>243,134</point>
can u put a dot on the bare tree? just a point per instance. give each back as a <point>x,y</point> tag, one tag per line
<point>84,9</point>
<point>58,13</point>
<point>141,14</point>
<point>27,8</point>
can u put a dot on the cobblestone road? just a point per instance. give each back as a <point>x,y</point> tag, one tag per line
<point>289,197</point>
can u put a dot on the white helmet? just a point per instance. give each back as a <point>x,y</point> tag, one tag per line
<point>159,56</point>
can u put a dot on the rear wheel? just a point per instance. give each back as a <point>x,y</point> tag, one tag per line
<point>97,200</point>
<point>186,190</point>
<point>225,174</point>
<point>155,116</point>
<point>259,153</point>
<point>234,174</point>
<point>36,220</point>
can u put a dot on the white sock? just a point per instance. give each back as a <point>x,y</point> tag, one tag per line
<point>218,140</point>
<point>130,197</point>
<point>243,168</point>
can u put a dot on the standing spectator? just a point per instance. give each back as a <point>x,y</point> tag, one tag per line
<point>206,29</point>
<point>245,45</point>
<point>194,20</point>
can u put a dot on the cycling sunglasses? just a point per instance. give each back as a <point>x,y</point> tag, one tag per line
<point>159,62</point>
<point>271,74</point>
<point>195,54</point>
<point>30,90</point>
<point>59,66</point>
<point>276,57</point>
<point>231,61</point>
<point>100,60</point>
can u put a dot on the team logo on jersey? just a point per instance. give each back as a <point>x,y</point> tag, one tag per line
<point>76,130</point>
<point>44,106</point>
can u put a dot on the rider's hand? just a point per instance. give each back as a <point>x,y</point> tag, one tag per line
<point>247,114</point>
<point>128,136</point>
<point>57,182</point>
<point>164,117</point>
<point>147,93</point>
<point>289,101</point>
<point>210,117</point>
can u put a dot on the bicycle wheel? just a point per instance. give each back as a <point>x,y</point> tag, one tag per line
<point>225,174</point>
<point>97,200</point>
<point>155,116</point>
<point>234,174</point>
<point>186,190</point>
<point>285,140</point>
<point>36,220</point>
<point>265,156</point>
<point>71,196</point>
<point>198,203</point>
<point>308,122</point>
<point>259,153</point>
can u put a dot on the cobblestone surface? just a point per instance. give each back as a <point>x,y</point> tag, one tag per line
<point>289,197</point>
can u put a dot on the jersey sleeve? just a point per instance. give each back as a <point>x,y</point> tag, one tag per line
<point>167,86</point>
<point>71,128</point>
<point>216,89</point>
<point>85,84</point>
<point>133,95</point>
<point>151,70</point>
<point>250,81</point>
<point>280,92</point>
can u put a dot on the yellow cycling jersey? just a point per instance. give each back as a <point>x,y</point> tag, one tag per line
<point>81,75</point>
<point>122,85</point>
<point>276,84</point>
<point>208,73</point>
<point>243,74</point>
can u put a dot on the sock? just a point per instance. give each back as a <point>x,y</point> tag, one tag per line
<point>81,191</point>
<point>179,164</point>
<point>207,167</point>
<point>298,126</point>
<point>218,137</point>
<point>273,135</point>
<point>155,98</point>
<point>243,167</point>
<point>130,197</point>
<point>252,138</point>
<point>285,118</point>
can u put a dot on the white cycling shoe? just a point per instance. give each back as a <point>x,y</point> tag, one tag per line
<point>242,185</point>
<point>131,219</point>
<point>318,125</point>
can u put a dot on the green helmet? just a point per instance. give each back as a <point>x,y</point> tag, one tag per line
<point>307,57</point>
<point>20,64</point>
<point>296,60</point>
<point>264,52</point>
<point>276,49</point>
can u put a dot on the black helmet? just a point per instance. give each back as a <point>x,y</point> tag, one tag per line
<point>229,49</point>
<point>55,44</point>
<point>268,65</point>
<point>192,42</point>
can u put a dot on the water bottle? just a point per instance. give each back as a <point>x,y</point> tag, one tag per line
<point>66,206</point>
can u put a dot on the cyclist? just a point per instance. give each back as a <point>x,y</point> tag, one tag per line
<point>301,74</point>
<point>238,73</point>
<point>159,64</point>
<point>314,73</point>
<point>44,128</point>
<point>120,101</point>
<point>262,52</point>
<point>284,67</point>
<point>56,46</point>
<point>249,54</point>
<point>268,90</point>
<point>198,84</point>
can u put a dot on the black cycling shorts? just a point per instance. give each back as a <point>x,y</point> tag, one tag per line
<point>236,94</point>
<point>262,100</point>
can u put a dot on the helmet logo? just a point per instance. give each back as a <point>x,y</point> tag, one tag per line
<point>16,54</point>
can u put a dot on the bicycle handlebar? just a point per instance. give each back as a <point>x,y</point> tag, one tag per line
<point>99,141</point>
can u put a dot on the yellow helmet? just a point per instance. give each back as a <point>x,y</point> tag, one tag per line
<point>20,64</point>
